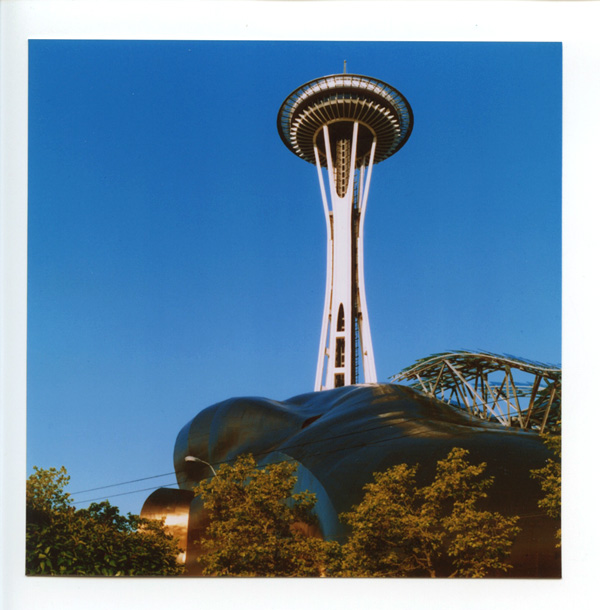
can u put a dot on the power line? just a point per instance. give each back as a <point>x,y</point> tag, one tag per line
<point>156,476</point>
<point>296,446</point>
<point>290,459</point>
<point>230,460</point>
<point>125,493</point>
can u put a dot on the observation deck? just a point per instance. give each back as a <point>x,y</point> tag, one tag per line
<point>338,101</point>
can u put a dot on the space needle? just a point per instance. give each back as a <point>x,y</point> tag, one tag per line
<point>345,124</point>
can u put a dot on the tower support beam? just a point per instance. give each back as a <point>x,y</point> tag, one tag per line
<point>344,312</point>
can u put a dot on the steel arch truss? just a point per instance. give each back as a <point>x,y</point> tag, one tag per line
<point>508,390</point>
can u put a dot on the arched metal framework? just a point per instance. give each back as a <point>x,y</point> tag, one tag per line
<point>511,391</point>
<point>345,123</point>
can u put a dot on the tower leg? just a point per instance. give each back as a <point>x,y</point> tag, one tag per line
<point>366,344</point>
<point>323,348</point>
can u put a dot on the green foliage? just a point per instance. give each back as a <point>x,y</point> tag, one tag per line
<point>400,529</point>
<point>257,525</point>
<point>93,541</point>
<point>45,490</point>
<point>550,481</point>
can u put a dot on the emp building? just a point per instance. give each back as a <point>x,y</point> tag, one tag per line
<point>345,123</point>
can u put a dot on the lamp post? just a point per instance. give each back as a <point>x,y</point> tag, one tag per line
<point>191,458</point>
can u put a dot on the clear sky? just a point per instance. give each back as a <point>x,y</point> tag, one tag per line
<point>177,247</point>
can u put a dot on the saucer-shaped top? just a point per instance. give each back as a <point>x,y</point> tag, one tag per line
<point>338,101</point>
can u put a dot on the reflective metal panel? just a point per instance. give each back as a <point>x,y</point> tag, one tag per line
<point>172,505</point>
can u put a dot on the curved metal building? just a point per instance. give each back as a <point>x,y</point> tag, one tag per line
<point>345,123</point>
<point>339,438</point>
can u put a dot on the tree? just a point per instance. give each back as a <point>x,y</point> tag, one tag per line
<point>400,529</point>
<point>550,481</point>
<point>257,526</point>
<point>92,541</point>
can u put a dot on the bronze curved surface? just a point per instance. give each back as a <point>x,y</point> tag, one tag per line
<point>340,437</point>
<point>172,505</point>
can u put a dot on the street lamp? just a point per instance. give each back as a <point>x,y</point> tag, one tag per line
<point>191,458</point>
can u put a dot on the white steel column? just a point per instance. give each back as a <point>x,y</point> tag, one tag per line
<point>364,328</point>
<point>323,351</point>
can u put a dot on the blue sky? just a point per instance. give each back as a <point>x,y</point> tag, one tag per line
<point>176,252</point>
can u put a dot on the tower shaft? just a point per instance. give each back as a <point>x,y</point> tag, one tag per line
<point>345,331</point>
